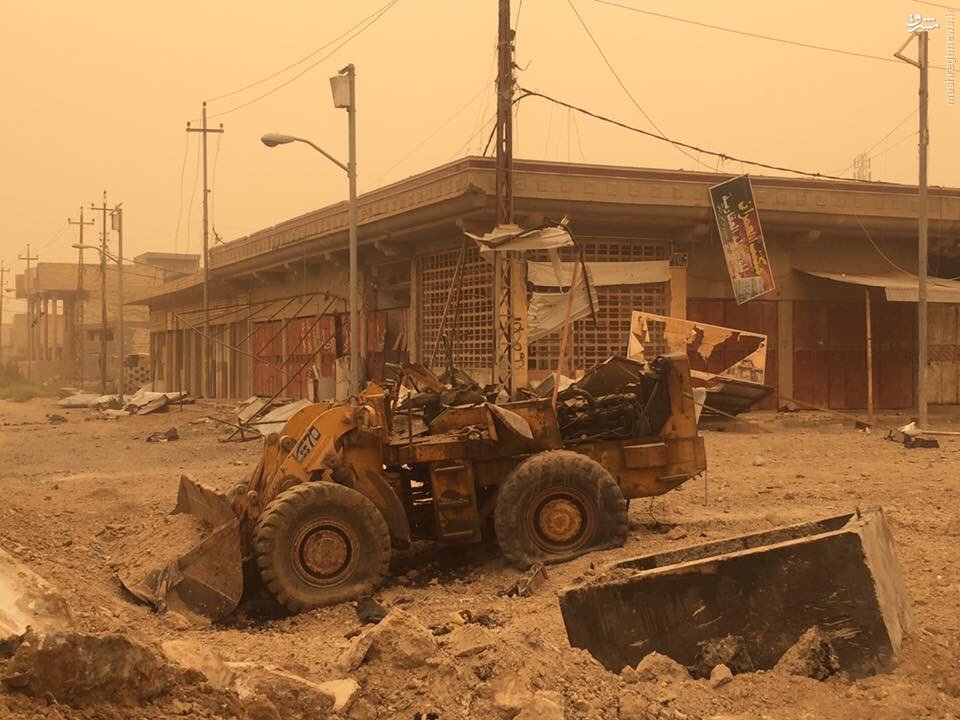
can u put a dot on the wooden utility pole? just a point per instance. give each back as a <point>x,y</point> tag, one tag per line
<point>509,286</point>
<point>103,294</point>
<point>78,309</point>
<point>3,289</point>
<point>27,287</point>
<point>869,322</point>
<point>922,64</point>
<point>205,379</point>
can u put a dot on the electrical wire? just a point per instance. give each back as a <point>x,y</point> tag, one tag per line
<point>56,236</point>
<point>899,142</point>
<point>695,148</point>
<point>213,185</point>
<point>623,85</point>
<point>183,170</point>
<point>880,141</point>
<point>760,36</point>
<point>376,16</point>
<point>433,134</point>
<point>193,193</point>
<point>301,60</point>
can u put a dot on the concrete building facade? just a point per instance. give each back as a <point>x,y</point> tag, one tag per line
<point>278,295</point>
<point>63,326</point>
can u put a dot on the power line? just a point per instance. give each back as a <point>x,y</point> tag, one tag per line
<point>896,144</point>
<point>759,36</point>
<point>695,148</point>
<point>436,132</point>
<point>623,85</point>
<point>213,187</point>
<point>183,170</point>
<point>364,25</point>
<point>303,59</point>
<point>881,140</point>
<point>193,193</point>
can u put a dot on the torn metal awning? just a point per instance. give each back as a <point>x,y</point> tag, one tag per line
<point>512,238</point>
<point>898,287</point>
<point>640,272</point>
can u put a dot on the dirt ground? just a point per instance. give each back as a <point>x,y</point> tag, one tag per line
<point>71,492</point>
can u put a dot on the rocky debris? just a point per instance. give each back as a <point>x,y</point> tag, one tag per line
<point>677,533</point>
<point>635,706</point>
<point>399,640</point>
<point>543,706</point>
<point>730,650</point>
<point>344,692</point>
<point>165,436</point>
<point>56,419</point>
<point>655,667</point>
<point>295,697</point>
<point>27,600</point>
<point>196,657</point>
<point>759,461</point>
<point>257,707</point>
<point>79,669</point>
<point>811,656</point>
<point>629,675</point>
<point>510,695</point>
<point>720,676</point>
<point>369,611</point>
<point>529,583</point>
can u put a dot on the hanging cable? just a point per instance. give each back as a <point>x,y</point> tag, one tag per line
<point>183,170</point>
<point>759,36</point>
<point>193,193</point>
<point>376,16</point>
<point>880,141</point>
<point>623,85</point>
<point>213,193</point>
<point>304,58</point>
<point>723,156</point>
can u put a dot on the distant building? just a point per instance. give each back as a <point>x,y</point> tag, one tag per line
<point>279,308</point>
<point>62,329</point>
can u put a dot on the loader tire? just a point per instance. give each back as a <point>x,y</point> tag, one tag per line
<point>558,505</point>
<point>320,544</point>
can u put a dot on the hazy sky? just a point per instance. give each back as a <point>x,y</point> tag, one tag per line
<point>97,96</point>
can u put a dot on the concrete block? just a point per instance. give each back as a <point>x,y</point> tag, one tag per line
<point>838,573</point>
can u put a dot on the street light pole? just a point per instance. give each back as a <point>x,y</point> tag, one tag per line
<point>343,87</point>
<point>355,373</point>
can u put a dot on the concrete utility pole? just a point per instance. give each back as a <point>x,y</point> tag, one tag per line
<point>922,64</point>
<point>78,314</point>
<point>103,294</point>
<point>26,288</point>
<point>3,289</point>
<point>205,374</point>
<point>116,220</point>
<point>502,265</point>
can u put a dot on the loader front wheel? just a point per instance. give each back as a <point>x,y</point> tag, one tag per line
<point>558,505</point>
<point>320,544</point>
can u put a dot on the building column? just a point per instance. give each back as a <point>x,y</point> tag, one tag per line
<point>69,343</point>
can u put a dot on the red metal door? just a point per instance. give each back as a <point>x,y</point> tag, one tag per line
<point>268,350</point>
<point>309,343</point>
<point>759,316</point>
<point>894,354</point>
<point>829,345</point>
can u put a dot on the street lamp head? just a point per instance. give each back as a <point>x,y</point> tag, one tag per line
<point>341,86</point>
<point>274,139</point>
<point>78,246</point>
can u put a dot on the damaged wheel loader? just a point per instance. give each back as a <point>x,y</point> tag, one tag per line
<point>345,484</point>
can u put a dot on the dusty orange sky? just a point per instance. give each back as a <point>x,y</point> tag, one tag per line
<point>97,96</point>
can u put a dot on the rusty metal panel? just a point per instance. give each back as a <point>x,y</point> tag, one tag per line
<point>455,502</point>
<point>268,347</point>
<point>474,346</point>
<point>895,354</point>
<point>645,455</point>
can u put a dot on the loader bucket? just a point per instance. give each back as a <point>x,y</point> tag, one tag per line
<point>191,563</point>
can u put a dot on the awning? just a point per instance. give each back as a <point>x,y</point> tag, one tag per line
<point>899,287</point>
<point>638,272</point>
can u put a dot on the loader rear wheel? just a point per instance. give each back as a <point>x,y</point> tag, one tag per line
<point>321,544</point>
<point>556,506</point>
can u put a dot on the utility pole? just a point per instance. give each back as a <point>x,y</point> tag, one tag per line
<point>205,360</point>
<point>103,294</point>
<point>78,310</point>
<point>507,271</point>
<point>922,258</point>
<point>355,370</point>
<point>116,220</point>
<point>27,287</point>
<point>3,289</point>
